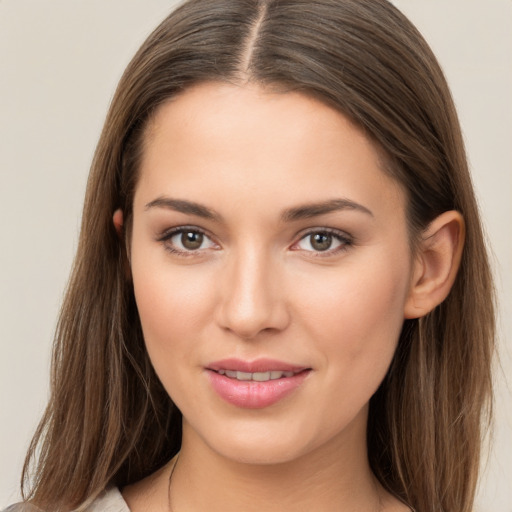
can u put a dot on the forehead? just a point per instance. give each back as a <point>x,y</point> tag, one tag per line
<point>237,141</point>
<point>216,108</point>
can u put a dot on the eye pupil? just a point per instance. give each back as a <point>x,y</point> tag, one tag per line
<point>192,240</point>
<point>321,241</point>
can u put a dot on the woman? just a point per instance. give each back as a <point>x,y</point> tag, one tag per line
<point>281,276</point>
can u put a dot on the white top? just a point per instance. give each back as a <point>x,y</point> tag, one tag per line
<point>109,501</point>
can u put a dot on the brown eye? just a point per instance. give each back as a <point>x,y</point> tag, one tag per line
<point>325,241</point>
<point>320,241</point>
<point>187,241</point>
<point>191,240</point>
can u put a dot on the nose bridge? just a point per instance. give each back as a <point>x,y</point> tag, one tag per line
<point>252,299</point>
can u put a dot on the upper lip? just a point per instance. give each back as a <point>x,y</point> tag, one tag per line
<point>256,366</point>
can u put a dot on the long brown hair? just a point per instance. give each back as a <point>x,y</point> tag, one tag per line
<point>109,420</point>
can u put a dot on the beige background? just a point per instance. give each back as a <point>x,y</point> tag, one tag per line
<point>59,63</point>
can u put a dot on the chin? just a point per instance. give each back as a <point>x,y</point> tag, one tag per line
<point>263,442</point>
<point>250,453</point>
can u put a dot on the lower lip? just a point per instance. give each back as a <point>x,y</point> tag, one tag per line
<point>250,394</point>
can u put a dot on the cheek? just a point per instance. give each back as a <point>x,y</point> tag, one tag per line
<point>355,319</point>
<point>356,313</point>
<point>173,303</point>
<point>172,308</point>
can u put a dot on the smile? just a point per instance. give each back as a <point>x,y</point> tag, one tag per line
<point>255,384</point>
<point>256,376</point>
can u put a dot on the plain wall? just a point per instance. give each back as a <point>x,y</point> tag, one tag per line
<point>60,61</point>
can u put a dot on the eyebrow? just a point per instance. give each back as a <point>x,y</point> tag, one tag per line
<point>183,206</point>
<point>305,211</point>
<point>308,211</point>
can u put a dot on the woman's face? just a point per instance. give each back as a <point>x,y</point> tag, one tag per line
<point>271,267</point>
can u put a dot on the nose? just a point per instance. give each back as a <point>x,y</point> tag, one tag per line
<point>252,297</point>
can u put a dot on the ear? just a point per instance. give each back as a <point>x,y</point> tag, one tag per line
<point>436,264</point>
<point>118,220</point>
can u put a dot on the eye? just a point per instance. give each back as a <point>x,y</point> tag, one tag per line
<point>323,241</point>
<point>189,240</point>
<point>186,240</point>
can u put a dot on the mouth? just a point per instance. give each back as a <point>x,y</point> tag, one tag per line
<point>257,376</point>
<point>257,384</point>
<point>260,370</point>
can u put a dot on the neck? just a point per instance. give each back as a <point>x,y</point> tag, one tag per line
<point>334,473</point>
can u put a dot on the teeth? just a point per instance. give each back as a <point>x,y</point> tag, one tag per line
<point>256,376</point>
<point>261,376</point>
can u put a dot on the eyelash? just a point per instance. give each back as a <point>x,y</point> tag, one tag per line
<point>167,235</point>
<point>345,241</point>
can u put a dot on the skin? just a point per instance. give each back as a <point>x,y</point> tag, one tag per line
<point>257,286</point>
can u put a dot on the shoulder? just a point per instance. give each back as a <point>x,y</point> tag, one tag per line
<point>108,501</point>
<point>22,507</point>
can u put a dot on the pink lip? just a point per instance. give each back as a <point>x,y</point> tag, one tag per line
<point>252,394</point>
<point>258,365</point>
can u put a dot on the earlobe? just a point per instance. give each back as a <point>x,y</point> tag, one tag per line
<point>118,220</point>
<point>436,264</point>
